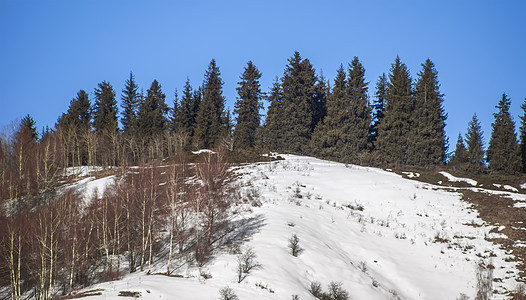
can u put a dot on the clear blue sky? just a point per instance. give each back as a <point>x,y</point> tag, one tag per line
<point>49,50</point>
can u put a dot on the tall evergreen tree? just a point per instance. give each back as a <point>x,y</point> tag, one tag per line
<point>273,129</point>
<point>395,128</point>
<point>105,109</point>
<point>187,110</point>
<point>378,108</point>
<point>28,125</point>
<point>130,103</point>
<point>331,137</point>
<point>475,146</point>
<point>75,125</point>
<point>152,112</point>
<point>298,88</point>
<point>175,123</point>
<point>79,113</point>
<point>459,158</point>
<point>503,153</point>
<point>210,123</point>
<point>522,138</point>
<point>319,103</point>
<point>360,111</point>
<point>247,108</point>
<point>427,144</point>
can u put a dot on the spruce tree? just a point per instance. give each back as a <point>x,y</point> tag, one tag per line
<point>210,123</point>
<point>319,103</point>
<point>187,112</point>
<point>247,108</point>
<point>28,126</point>
<point>105,109</point>
<point>378,108</point>
<point>130,103</point>
<point>427,145</point>
<point>175,112</point>
<point>475,146</point>
<point>75,125</point>
<point>522,138</point>
<point>273,129</point>
<point>331,137</point>
<point>395,129</point>
<point>298,88</point>
<point>503,153</point>
<point>152,112</point>
<point>459,158</point>
<point>360,112</point>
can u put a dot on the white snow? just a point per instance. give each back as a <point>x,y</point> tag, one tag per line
<point>90,187</point>
<point>523,186</point>
<point>202,151</point>
<point>346,217</point>
<point>458,179</point>
<point>506,187</point>
<point>411,174</point>
<point>82,171</point>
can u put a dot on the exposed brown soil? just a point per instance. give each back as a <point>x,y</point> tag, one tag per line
<point>499,211</point>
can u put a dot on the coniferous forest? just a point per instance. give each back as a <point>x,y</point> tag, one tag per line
<point>53,242</point>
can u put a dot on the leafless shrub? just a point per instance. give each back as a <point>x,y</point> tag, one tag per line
<point>484,274</point>
<point>227,293</point>
<point>463,296</point>
<point>246,263</point>
<point>519,293</point>
<point>362,266</point>
<point>315,289</point>
<point>336,292</point>
<point>133,294</point>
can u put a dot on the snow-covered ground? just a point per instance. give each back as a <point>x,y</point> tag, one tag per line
<point>459,179</point>
<point>380,235</point>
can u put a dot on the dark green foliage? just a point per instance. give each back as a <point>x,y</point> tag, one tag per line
<point>130,102</point>
<point>210,123</point>
<point>174,114</point>
<point>378,107</point>
<point>105,109</point>
<point>360,112</point>
<point>28,125</point>
<point>319,104</point>
<point>395,129</point>
<point>427,144</point>
<point>272,130</point>
<point>75,125</point>
<point>459,158</point>
<point>522,138</point>
<point>475,146</point>
<point>152,112</point>
<point>247,108</point>
<point>298,88</point>
<point>188,107</point>
<point>79,113</point>
<point>503,153</point>
<point>331,137</point>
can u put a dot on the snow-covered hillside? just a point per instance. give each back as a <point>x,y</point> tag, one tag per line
<point>380,235</point>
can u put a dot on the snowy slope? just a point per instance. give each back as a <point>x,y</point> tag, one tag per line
<point>356,225</point>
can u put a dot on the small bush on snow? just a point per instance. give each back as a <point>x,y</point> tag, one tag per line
<point>294,245</point>
<point>334,291</point>
<point>315,289</point>
<point>246,263</point>
<point>519,293</point>
<point>484,274</point>
<point>227,293</point>
<point>463,296</point>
